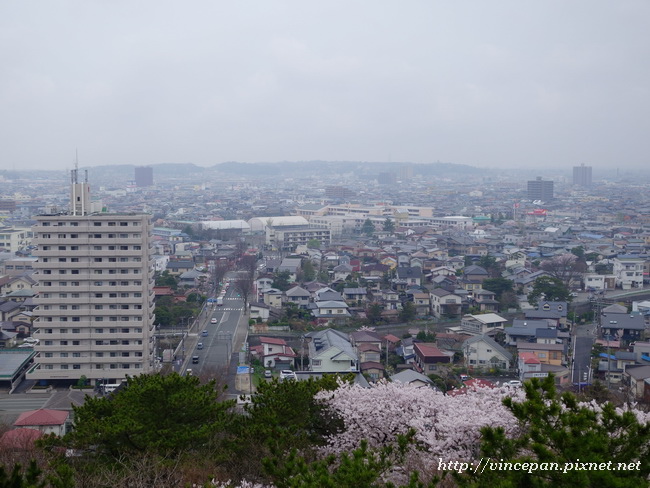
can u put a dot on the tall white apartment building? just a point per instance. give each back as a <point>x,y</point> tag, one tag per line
<point>95,313</point>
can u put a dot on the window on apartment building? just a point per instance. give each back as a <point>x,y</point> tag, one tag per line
<point>49,354</point>
<point>76,366</point>
<point>97,224</point>
<point>63,355</point>
<point>76,354</point>
<point>99,331</point>
<point>76,331</point>
<point>49,343</point>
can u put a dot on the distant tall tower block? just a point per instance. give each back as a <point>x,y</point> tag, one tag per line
<point>143,176</point>
<point>582,175</point>
<point>94,312</point>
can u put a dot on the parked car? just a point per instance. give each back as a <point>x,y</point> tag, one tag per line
<point>287,374</point>
<point>464,377</point>
<point>268,374</point>
<point>513,383</point>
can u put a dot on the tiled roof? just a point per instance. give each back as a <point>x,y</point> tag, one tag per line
<point>42,416</point>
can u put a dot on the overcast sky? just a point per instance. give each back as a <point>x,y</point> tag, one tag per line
<point>490,83</point>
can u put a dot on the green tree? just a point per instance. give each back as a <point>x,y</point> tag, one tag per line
<point>308,270</point>
<point>281,280</point>
<point>282,415</point>
<point>558,429</point>
<point>498,285</point>
<point>164,414</point>
<point>408,311</point>
<point>389,225</point>
<point>167,279</point>
<point>313,244</point>
<point>368,228</point>
<point>426,336</point>
<point>361,468</point>
<point>551,288</point>
<point>489,263</point>
<point>373,313</point>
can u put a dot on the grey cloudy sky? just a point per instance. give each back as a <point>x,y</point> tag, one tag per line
<point>490,83</point>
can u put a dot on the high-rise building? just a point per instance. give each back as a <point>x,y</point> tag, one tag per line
<point>582,175</point>
<point>95,301</point>
<point>143,176</point>
<point>539,189</point>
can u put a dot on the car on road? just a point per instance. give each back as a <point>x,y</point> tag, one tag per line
<point>199,346</point>
<point>213,320</point>
<point>204,333</point>
<point>268,374</point>
<point>287,374</point>
<point>195,360</point>
<point>513,383</point>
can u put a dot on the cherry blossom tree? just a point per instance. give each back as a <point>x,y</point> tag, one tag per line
<point>445,425</point>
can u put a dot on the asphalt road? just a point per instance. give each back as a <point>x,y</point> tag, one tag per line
<point>582,343</point>
<point>218,344</point>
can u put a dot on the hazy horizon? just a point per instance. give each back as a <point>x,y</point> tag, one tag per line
<point>496,85</point>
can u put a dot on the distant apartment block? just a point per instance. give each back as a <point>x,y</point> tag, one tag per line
<point>143,176</point>
<point>12,240</point>
<point>95,300</point>
<point>539,189</point>
<point>582,175</point>
<point>628,272</point>
<point>339,193</point>
<point>289,237</point>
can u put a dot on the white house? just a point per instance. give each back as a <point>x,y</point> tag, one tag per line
<point>330,351</point>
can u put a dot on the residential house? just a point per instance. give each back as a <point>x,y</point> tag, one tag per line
<point>299,296</point>
<point>412,378</point>
<point>178,267</point>
<point>628,272</point>
<point>529,366</point>
<point>274,353</point>
<point>637,378</point>
<point>273,297</point>
<point>407,277</point>
<point>45,420</point>
<point>612,366</point>
<point>482,324</point>
<point>342,272</point>
<point>259,310</point>
<point>554,354</point>
<point>428,358</point>
<point>485,300</point>
<point>330,351</point>
<point>622,326</point>
<point>483,352</point>
<point>421,300</point>
<point>550,311</point>
<point>445,303</point>
<point>354,296</point>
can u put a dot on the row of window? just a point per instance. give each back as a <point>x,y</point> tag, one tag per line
<point>95,283</point>
<point>95,224</point>
<point>135,318</point>
<point>95,248</point>
<point>92,236</point>
<point>96,260</point>
<point>95,271</point>
<point>97,366</point>
<point>122,354</point>
<point>96,295</point>
<point>96,307</point>
<point>135,330</point>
